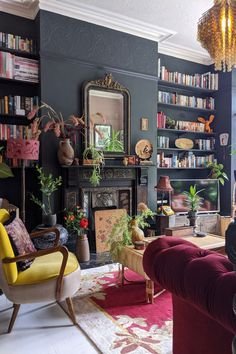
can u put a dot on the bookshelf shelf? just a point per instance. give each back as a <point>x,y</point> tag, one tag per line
<point>176,131</point>
<point>186,150</point>
<point>167,84</point>
<point>20,82</point>
<point>19,53</point>
<point>176,106</point>
<point>182,168</point>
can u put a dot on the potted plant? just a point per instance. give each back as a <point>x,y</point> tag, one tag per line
<point>48,185</point>
<point>217,172</point>
<point>94,157</point>
<point>193,201</point>
<point>127,230</point>
<point>76,220</point>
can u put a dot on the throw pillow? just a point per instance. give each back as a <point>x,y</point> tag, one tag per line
<point>21,241</point>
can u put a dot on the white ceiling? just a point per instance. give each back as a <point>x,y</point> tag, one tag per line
<point>173,23</point>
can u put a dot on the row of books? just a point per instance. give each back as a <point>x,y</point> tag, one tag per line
<point>163,122</point>
<point>19,68</point>
<point>188,161</point>
<point>205,144</point>
<point>14,131</point>
<point>186,101</point>
<point>163,142</point>
<point>17,105</point>
<point>11,41</point>
<point>207,80</point>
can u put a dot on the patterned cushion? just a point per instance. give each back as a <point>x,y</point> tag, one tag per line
<point>21,241</point>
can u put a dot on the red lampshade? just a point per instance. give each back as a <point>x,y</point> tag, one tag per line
<point>23,149</point>
<point>163,184</point>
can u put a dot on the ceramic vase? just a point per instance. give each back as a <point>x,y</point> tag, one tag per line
<point>65,153</point>
<point>136,233</point>
<point>82,248</point>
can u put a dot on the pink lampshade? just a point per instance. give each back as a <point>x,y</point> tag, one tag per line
<point>23,149</point>
<point>163,184</point>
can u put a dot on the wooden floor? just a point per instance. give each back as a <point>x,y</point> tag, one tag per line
<point>41,328</point>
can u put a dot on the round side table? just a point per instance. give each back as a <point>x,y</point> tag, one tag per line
<point>47,241</point>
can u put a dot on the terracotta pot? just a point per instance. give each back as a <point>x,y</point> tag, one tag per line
<point>136,233</point>
<point>82,248</point>
<point>65,153</point>
<point>49,220</point>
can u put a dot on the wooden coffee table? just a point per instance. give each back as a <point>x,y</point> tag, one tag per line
<point>131,258</point>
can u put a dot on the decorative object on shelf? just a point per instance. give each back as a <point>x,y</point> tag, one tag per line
<point>217,172</point>
<point>23,150</point>
<point>65,153</point>
<point>144,124</point>
<point>170,123</point>
<point>224,138</point>
<point>94,157</point>
<point>194,202</point>
<point>184,143</point>
<point>207,123</point>
<point>48,185</point>
<point>64,129</point>
<point>144,150</point>
<point>121,232</point>
<point>77,221</point>
<point>107,116</point>
<point>125,161</point>
<point>164,186</point>
<point>217,31</point>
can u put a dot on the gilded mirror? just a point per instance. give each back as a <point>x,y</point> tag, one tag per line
<point>107,116</point>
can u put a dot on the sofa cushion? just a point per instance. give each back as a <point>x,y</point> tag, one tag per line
<point>203,278</point>
<point>46,267</point>
<point>21,241</point>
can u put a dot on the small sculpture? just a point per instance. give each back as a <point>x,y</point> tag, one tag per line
<point>207,122</point>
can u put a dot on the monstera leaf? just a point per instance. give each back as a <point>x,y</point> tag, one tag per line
<point>5,171</point>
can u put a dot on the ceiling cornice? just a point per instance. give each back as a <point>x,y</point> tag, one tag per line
<point>98,16</point>
<point>186,53</point>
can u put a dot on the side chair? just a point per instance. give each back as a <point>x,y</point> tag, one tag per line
<point>53,275</point>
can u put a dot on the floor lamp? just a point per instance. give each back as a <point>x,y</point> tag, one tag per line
<point>23,150</point>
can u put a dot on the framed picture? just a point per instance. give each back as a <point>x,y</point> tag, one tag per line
<point>144,124</point>
<point>101,133</point>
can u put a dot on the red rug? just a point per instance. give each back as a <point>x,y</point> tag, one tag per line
<point>118,319</point>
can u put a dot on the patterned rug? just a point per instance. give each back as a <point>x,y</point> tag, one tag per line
<point>117,318</point>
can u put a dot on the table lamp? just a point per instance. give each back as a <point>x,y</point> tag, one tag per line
<point>23,150</point>
<point>163,186</point>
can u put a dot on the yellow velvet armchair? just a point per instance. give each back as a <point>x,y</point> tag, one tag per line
<point>53,275</point>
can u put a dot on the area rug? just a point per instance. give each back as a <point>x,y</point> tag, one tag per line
<point>118,319</point>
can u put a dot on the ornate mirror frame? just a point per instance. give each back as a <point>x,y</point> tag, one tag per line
<point>108,84</point>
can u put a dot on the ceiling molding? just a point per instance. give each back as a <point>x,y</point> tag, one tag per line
<point>27,9</point>
<point>186,53</point>
<point>98,16</point>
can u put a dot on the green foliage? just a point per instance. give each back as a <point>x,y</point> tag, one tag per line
<point>217,172</point>
<point>5,171</point>
<point>113,143</point>
<point>98,158</point>
<point>48,185</point>
<point>121,232</point>
<point>193,200</point>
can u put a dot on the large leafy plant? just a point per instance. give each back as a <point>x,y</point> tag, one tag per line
<point>48,185</point>
<point>114,143</point>
<point>193,200</point>
<point>217,172</point>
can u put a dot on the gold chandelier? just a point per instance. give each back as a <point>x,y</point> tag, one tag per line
<point>217,33</point>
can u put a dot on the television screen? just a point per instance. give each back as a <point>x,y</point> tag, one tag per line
<point>210,194</point>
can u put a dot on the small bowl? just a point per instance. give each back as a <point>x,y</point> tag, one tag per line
<point>139,245</point>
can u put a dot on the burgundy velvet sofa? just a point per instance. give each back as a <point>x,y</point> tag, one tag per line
<point>203,285</point>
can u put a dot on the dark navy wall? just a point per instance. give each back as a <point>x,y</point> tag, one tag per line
<point>74,51</point>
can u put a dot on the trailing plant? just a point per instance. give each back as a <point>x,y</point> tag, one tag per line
<point>193,200</point>
<point>48,185</point>
<point>121,232</point>
<point>217,172</point>
<point>98,160</point>
<point>114,143</point>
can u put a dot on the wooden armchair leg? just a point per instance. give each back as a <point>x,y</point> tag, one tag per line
<point>16,308</point>
<point>71,310</point>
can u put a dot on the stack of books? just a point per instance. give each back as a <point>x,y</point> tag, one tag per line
<point>14,131</point>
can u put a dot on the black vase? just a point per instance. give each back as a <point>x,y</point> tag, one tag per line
<point>49,220</point>
<point>192,216</point>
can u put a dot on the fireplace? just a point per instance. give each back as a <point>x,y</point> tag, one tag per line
<point>121,188</point>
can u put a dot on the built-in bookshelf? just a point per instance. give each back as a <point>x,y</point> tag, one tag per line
<point>18,43</point>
